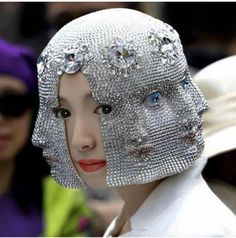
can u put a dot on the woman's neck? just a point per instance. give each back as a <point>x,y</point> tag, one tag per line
<point>6,174</point>
<point>134,196</point>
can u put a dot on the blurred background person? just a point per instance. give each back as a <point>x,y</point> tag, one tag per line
<point>29,201</point>
<point>218,84</point>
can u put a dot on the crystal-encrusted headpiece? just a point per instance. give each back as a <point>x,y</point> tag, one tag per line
<point>121,56</point>
<point>43,62</point>
<point>74,58</point>
<point>165,44</point>
<point>135,64</point>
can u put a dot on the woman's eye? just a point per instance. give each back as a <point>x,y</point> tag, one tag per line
<point>103,109</point>
<point>61,112</point>
<point>153,98</point>
<point>184,83</point>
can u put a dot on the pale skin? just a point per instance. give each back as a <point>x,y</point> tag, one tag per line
<point>14,133</point>
<point>82,119</point>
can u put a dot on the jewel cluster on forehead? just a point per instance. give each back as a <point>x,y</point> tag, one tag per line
<point>164,44</point>
<point>120,56</point>
<point>74,59</point>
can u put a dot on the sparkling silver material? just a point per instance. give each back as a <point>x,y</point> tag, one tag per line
<point>145,138</point>
<point>74,58</point>
<point>121,56</point>
<point>165,44</point>
<point>43,63</point>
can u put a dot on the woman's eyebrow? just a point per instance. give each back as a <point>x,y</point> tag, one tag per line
<point>88,95</point>
<point>61,99</point>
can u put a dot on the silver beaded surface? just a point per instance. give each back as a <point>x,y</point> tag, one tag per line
<point>135,63</point>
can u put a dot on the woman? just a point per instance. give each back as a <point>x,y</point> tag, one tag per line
<point>119,109</point>
<point>28,201</point>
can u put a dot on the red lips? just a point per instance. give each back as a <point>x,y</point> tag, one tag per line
<point>91,165</point>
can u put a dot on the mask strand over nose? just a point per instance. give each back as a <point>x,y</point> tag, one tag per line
<point>134,64</point>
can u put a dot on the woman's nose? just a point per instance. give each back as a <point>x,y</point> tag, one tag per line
<point>83,138</point>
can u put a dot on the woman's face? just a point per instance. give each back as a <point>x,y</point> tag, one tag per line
<point>14,130</point>
<point>82,120</point>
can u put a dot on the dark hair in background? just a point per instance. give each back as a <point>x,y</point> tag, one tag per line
<point>194,20</point>
<point>67,16</point>
<point>30,167</point>
<point>203,23</point>
<point>38,34</point>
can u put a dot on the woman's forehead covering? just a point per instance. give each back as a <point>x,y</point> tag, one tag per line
<point>115,49</point>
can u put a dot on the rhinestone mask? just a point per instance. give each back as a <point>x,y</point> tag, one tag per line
<point>134,63</point>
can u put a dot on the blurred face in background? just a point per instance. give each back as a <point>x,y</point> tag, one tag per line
<point>60,13</point>
<point>15,117</point>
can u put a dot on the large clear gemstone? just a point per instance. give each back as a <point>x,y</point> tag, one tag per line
<point>73,61</point>
<point>120,56</point>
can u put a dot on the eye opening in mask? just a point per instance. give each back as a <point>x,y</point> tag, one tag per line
<point>152,99</point>
<point>14,104</point>
<point>103,109</point>
<point>61,113</point>
<point>185,82</point>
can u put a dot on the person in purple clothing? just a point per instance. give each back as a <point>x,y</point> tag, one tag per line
<point>21,166</point>
<point>26,192</point>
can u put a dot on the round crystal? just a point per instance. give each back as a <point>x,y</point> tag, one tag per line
<point>120,56</point>
<point>73,61</point>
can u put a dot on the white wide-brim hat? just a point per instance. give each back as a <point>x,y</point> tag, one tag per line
<point>218,84</point>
